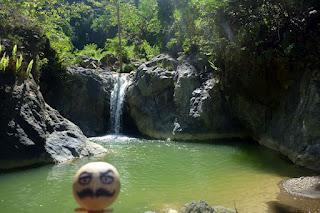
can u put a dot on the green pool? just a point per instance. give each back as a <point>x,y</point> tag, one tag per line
<point>158,175</point>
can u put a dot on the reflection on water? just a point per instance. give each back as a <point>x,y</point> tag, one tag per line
<point>157,175</point>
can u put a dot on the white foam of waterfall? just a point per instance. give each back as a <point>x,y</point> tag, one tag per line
<point>116,102</point>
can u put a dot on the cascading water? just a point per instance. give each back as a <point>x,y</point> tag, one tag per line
<point>116,102</point>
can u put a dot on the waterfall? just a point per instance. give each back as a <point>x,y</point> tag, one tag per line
<point>116,102</point>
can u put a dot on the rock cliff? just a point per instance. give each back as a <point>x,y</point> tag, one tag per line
<point>291,126</point>
<point>82,96</point>
<point>172,99</point>
<point>32,132</point>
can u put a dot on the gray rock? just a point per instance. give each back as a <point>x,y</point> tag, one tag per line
<point>88,62</point>
<point>290,125</point>
<point>171,99</point>
<point>203,207</point>
<point>83,97</point>
<point>306,187</point>
<point>298,195</point>
<point>109,61</point>
<point>32,132</point>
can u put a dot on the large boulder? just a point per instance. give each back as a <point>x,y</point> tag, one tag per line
<point>32,132</point>
<point>172,99</point>
<point>82,96</point>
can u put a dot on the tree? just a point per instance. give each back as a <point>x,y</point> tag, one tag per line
<point>119,34</point>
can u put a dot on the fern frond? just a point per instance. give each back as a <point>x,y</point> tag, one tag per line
<point>3,62</point>
<point>30,65</point>
<point>19,63</point>
<point>14,52</point>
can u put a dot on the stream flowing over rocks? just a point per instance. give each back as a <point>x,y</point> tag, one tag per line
<point>32,132</point>
<point>172,99</point>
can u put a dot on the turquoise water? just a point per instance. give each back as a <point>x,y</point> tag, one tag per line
<point>158,175</point>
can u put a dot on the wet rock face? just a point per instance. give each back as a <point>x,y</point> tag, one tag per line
<point>32,132</point>
<point>171,99</point>
<point>82,96</point>
<point>295,125</point>
<point>290,126</point>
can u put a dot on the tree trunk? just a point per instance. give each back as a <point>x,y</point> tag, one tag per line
<point>119,35</point>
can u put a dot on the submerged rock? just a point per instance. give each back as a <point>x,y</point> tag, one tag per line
<point>308,187</point>
<point>203,207</point>
<point>32,132</point>
<point>298,195</point>
<point>171,99</point>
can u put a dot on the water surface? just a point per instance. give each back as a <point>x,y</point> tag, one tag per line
<point>157,175</point>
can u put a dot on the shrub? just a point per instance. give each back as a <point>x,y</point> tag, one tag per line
<point>92,51</point>
<point>15,65</point>
<point>150,51</point>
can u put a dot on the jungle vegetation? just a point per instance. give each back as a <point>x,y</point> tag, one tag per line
<point>206,28</point>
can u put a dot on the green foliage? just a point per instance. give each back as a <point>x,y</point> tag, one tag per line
<point>92,50</point>
<point>148,10</point>
<point>14,52</point>
<point>14,65</point>
<point>150,51</point>
<point>128,68</point>
<point>281,26</point>
<point>112,46</point>
<point>73,25</point>
<point>29,68</point>
<point>18,63</point>
<point>172,43</point>
<point>184,27</point>
<point>130,51</point>
<point>4,62</point>
<point>61,43</point>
